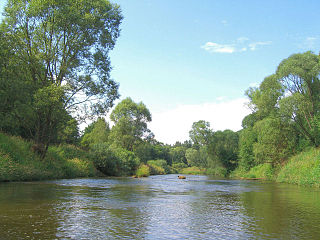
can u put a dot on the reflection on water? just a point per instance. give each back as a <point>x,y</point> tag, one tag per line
<point>158,207</point>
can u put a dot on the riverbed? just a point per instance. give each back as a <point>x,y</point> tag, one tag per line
<point>158,207</point>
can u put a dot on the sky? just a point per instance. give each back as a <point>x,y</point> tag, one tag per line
<point>190,60</point>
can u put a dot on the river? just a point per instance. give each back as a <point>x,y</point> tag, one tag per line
<point>158,207</point>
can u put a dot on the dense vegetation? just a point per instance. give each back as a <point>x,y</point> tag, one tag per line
<point>54,74</point>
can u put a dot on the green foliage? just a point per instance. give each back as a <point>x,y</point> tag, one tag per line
<point>286,110</point>
<point>126,163</point>
<point>69,132</point>
<point>156,170</point>
<point>200,133</point>
<point>114,161</point>
<point>223,148</point>
<point>217,171</point>
<point>177,155</point>
<point>145,152</point>
<point>193,171</point>
<point>53,52</point>
<point>143,171</point>
<point>130,127</point>
<point>19,163</point>
<point>299,75</point>
<point>104,159</point>
<point>99,132</point>
<point>160,163</point>
<point>197,158</point>
<point>247,139</point>
<point>302,169</point>
<point>265,171</point>
<point>177,167</point>
<point>275,141</point>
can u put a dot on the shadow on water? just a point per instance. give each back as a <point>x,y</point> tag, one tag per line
<point>158,207</point>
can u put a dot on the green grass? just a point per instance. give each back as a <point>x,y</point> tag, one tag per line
<point>264,171</point>
<point>302,169</point>
<point>193,171</point>
<point>19,163</point>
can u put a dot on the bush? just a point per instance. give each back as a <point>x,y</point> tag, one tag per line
<point>217,171</point>
<point>104,159</point>
<point>156,170</point>
<point>143,171</point>
<point>265,171</point>
<point>126,163</point>
<point>114,161</point>
<point>261,171</point>
<point>19,163</point>
<point>160,163</point>
<point>193,171</point>
<point>177,167</point>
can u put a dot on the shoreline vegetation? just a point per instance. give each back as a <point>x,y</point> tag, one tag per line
<point>51,81</point>
<point>19,163</point>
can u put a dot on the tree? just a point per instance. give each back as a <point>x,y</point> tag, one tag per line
<point>275,141</point>
<point>99,134</point>
<point>196,157</point>
<point>178,155</point>
<point>223,148</point>
<point>130,121</point>
<point>247,138</point>
<point>299,74</point>
<point>69,132</point>
<point>200,133</point>
<point>63,47</point>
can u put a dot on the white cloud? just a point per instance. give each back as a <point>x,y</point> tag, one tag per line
<point>242,44</point>
<point>242,39</point>
<point>174,125</point>
<point>218,48</point>
<point>253,46</point>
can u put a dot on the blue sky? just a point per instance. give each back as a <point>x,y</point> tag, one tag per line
<point>193,59</point>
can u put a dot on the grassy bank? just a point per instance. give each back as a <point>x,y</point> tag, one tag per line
<point>264,171</point>
<point>19,163</point>
<point>302,169</point>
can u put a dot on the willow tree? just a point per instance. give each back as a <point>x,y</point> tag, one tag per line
<point>299,75</point>
<point>130,121</point>
<point>63,47</point>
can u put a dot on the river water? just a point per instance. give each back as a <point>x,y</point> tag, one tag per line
<point>158,207</point>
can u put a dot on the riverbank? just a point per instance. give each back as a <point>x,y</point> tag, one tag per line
<point>19,163</point>
<point>302,169</point>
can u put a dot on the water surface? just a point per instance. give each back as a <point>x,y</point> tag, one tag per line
<point>158,207</point>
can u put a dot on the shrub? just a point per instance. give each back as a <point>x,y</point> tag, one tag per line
<point>177,167</point>
<point>19,163</point>
<point>217,171</point>
<point>160,163</point>
<point>261,171</point>
<point>143,171</point>
<point>156,170</point>
<point>193,171</point>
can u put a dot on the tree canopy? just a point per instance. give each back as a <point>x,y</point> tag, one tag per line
<point>59,51</point>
